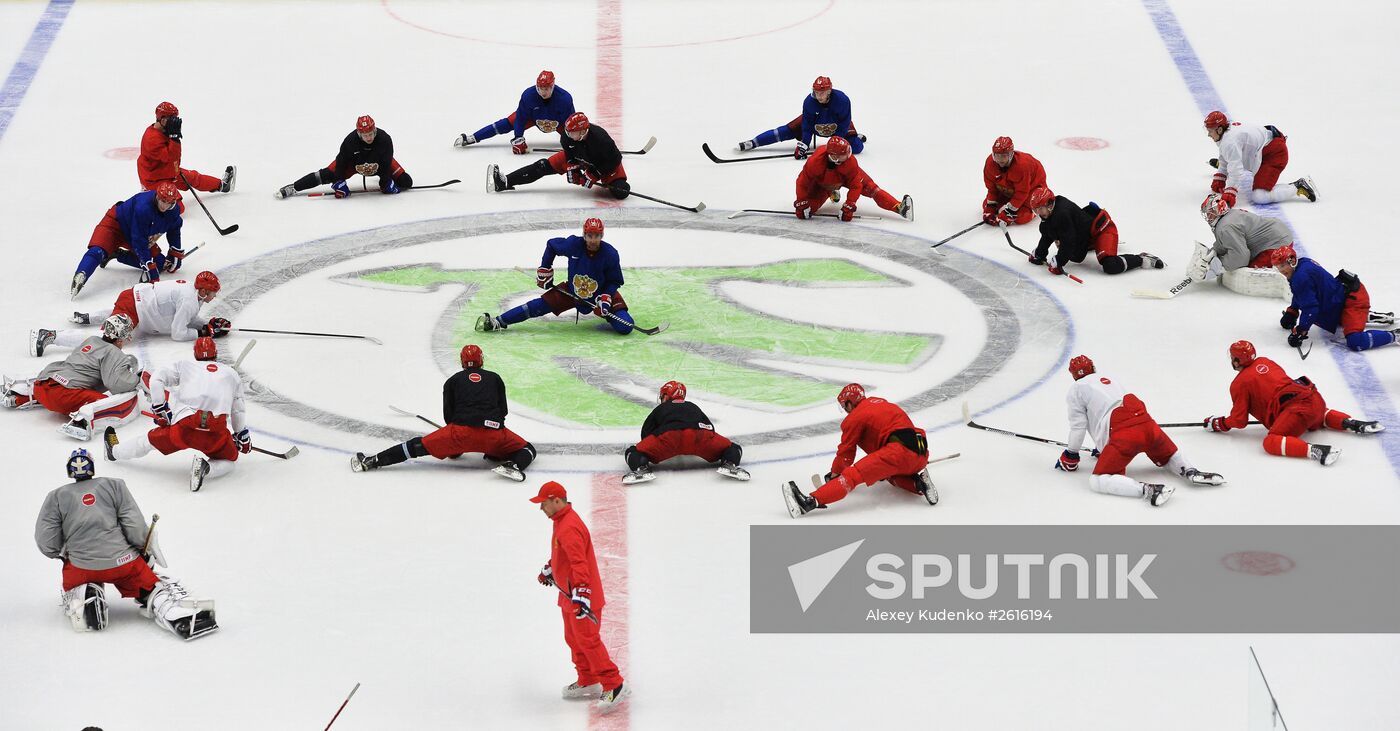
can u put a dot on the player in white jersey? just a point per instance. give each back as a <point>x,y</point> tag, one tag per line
<point>168,306</point>
<point>208,403</point>
<point>1260,151</point>
<point>1122,429</point>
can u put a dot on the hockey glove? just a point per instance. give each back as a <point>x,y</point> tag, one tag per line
<point>578,175</point>
<point>544,277</point>
<point>546,576</point>
<point>341,189</point>
<point>1229,196</point>
<point>848,211</point>
<point>803,208</point>
<point>1068,461</point>
<point>828,477</point>
<point>801,152</point>
<point>1215,423</point>
<point>390,188</point>
<point>161,414</point>
<point>245,441</point>
<point>1055,268</point>
<point>172,128</point>
<point>1007,214</point>
<point>1217,183</point>
<point>1289,319</point>
<point>581,599</point>
<point>1296,338</point>
<point>150,271</point>
<point>217,328</point>
<point>174,259</point>
<point>518,146</point>
<point>1036,259</point>
<point>603,306</point>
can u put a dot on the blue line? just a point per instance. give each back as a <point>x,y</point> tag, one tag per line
<point>1356,368</point>
<point>27,66</point>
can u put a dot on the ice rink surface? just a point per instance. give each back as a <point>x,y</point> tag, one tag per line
<point>418,581</point>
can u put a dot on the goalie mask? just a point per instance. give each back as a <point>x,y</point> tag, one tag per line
<point>1213,207</point>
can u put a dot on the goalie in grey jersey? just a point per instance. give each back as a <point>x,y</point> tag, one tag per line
<point>1242,251</point>
<point>95,527</point>
<point>96,385</point>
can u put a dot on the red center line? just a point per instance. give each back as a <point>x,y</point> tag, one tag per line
<point>608,526</point>
<point>608,77</point>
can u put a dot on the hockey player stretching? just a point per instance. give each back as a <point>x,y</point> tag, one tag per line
<point>79,385</point>
<point>129,233</point>
<point>589,157</point>
<point>1287,407</point>
<point>831,168</point>
<point>826,112</point>
<point>543,106</point>
<point>676,427</point>
<point>159,161</point>
<point>1076,231</point>
<point>368,151</point>
<point>1250,148</point>
<point>1010,175</point>
<point>1328,302</point>
<point>1243,251</point>
<point>169,307</point>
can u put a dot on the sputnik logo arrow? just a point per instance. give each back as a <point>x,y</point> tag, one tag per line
<point>811,577</point>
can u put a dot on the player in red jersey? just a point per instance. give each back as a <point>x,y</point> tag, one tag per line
<point>895,451</point>
<point>1287,407</point>
<point>159,161</point>
<point>1010,176</point>
<point>833,167</point>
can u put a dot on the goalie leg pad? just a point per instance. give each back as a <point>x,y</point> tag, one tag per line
<point>86,607</point>
<point>1257,283</point>
<point>170,605</point>
<point>1201,260</point>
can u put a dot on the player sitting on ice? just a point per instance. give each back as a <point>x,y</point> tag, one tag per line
<point>543,106</point>
<point>95,527</point>
<point>159,161</point>
<point>1122,429</point>
<point>1243,251</point>
<point>895,451</point>
<point>1260,151</point>
<point>1076,231</point>
<point>1010,175</point>
<point>676,427</point>
<point>206,414</point>
<point>474,410</point>
<point>833,167</point>
<point>1287,407</point>
<point>595,276</point>
<point>368,151</point>
<point>129,233</point>
<point>589,157</point>
<point>826,112</point>
<point>170,307</point>
<point>96,385</point>
<point>1329,302</point>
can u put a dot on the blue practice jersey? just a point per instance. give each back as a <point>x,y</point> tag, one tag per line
<point>140,220</point>
<point>534,109</point>
<point>832,119</point>
<point>1317,295</point>
<point>589,276</point>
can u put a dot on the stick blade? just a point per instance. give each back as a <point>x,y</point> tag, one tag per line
<point>1153,294</point>
<point>735,215</point>
<point>294,451</point>
<point>699,207</point>
<point>229,230</point>
<point>647,147</point>
<point>966,413</point>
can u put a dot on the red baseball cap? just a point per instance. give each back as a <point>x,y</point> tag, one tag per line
<point>548,490</point>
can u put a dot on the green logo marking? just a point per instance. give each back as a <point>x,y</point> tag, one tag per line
<point>557,366</point>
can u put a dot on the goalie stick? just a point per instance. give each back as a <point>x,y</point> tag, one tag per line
<point>645,148</point>
<point>365,189</point>
<point>222,231</point>
<point>721,160</point>
<point>1163,295</point>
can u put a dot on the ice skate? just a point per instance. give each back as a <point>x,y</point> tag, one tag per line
<point>1152,262</point>
<point>170,605</point>
<point>77,428</point>
<point>745,146</point>
<point>495,182</point>
<point>286,191</point>
<point>40,339</point>
<point>1157,495</point>
<point>731,470</point>
<point>1380,318</point>
<point>79,318</point>
<point>906,208</point>
<point>109,440</point>
<point>1214,162</point>
<point>1324,454</point>
<point>509,471</point>
<point>463,140</point>
<point>925,485</point>
<point>76,286</point>
<point>1357,426</point>
<point>575,692</point>
<point>1197,477</point>
<point>199,469</point>
<point>1306,188</point>
<point>613,699</point>
<point>641,474</point>
<point>798,504</point>
<point>486,323</point>
<point>229,180</point>
<point>361,463</point>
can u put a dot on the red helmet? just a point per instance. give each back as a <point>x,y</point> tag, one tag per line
<point>1080,366</point>
<point>365,124</point>
<point>1242,353</point>
<point>1283,254</point>
<point>166,109</point>
<point>1216,119</point>
<point>851,395</point>
<point>577,122</point>
<point>1003,145</point>
<point>593,226</point>
<point>672,391</point>
<point>822,83</point>
<point>1041,197</point>
<point>204,349</point>
<point>167,193</point>
<point>838,146</point>
<point>206,280</point>
<point>471,356</point>
<point>545,79</point>
<point>1213,207</point>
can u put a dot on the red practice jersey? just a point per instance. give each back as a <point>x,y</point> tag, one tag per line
<point>571,557</point>
<point>159,160</point>
<point>1015,183</point>
<point>820,172</point>
<point>1256,390</point>
<point>868,426</point>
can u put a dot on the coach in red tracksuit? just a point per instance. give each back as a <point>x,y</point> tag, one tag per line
<point>573,569</point>
<point>895,449</point>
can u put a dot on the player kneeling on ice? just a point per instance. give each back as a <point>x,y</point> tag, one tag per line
<point>1076,231</point>
<point>96,385</point>
<point>589,157</point>
<point>833,167</point>
<point>207,415</point>
<point>543,106</point>
<point>474,410</point>
<point>368,151</point>
<point>826,112</point>
<point>1243,250</point>
<point>96,528</point>
<point>1287,407</point>
<point>676,427</point>
<point>1010,177</point>
<point>1119,424</point>
<point>129,233</point>
<point>1260,151</point>
<point>895,451</point>
<point>170,307</point>
<point>1329,302</point>
<point>595,276</point>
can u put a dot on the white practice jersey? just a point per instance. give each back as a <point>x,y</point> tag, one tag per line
<point>1091,400</point>
<point>1240,151</point>
<point>201,385</point>
<point>168,306</point>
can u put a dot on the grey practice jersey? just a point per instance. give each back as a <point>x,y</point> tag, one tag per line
<point>96,365</point>
<point>1240,236</point>
<point>95,523</point>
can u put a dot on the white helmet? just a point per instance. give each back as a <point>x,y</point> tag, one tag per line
<point>117,327</point>
<point>1213,207</point>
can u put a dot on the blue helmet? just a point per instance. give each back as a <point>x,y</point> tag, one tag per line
<point>80,465</point>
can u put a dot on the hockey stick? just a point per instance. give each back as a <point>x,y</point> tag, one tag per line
<point>1303,354</point>
<point>1164,295</point>
<point>698,207</point>
<point>342,706</point>
<point>615,318</point>
<point>420,417</point>
<point>454,181</point>
<point>195,193</point>
<point>713,158</point>
<point>960,233</point>
<point>244,354</point>
<point>146,545</point>
<point>645,148</point>
<point>1007,233</point>
<point>586,611</point>
<point>294,451</point>
<point>1197,424</point>
<point>967,418</point>
<point>374,340</point>
<point>819,480</point>
<point>737,214</point>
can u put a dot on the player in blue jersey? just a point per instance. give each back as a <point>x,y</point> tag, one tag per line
<point>543,105</point>
<point>595,274</point>
<point>1328,302</point>
<point>826,112</point>
<point>129,232</point>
